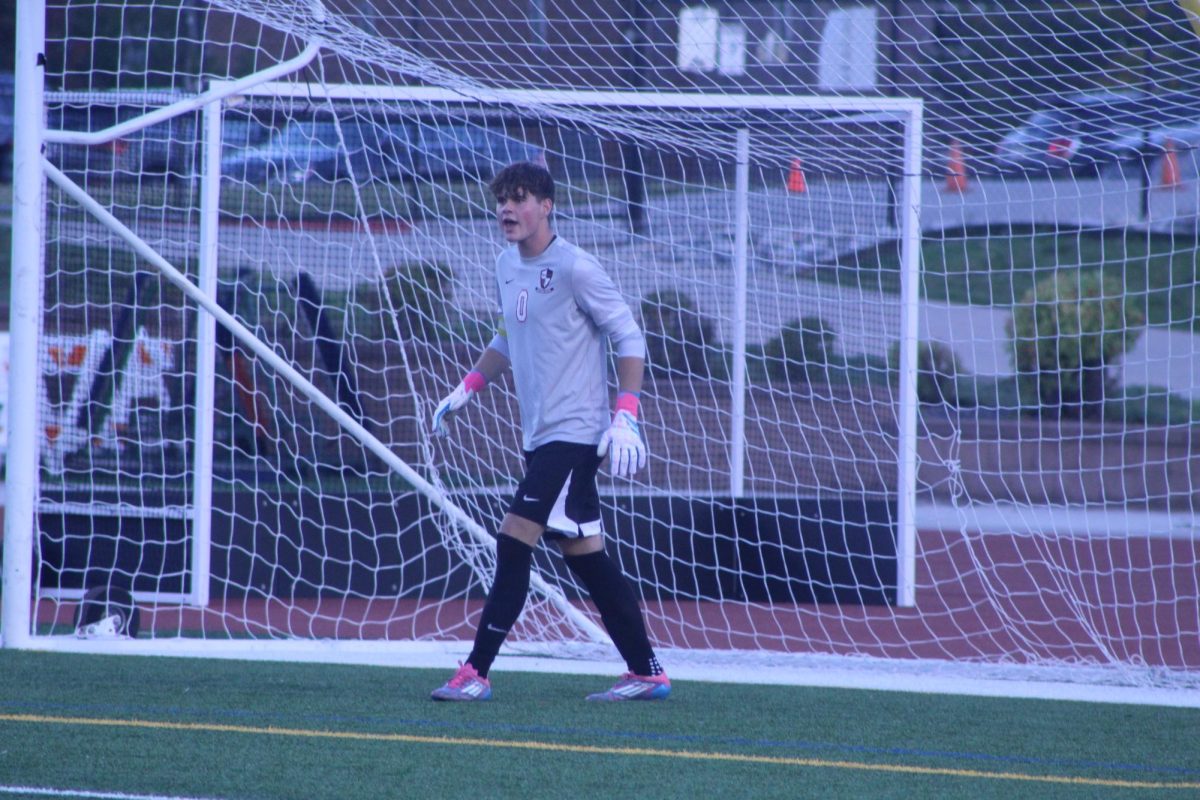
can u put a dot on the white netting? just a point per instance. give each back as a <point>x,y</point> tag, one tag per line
<point>1056,368</point>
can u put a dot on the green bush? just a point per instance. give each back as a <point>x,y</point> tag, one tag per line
<point>1068,331</point>
<point>678,336</point>
<point>419,294</point>
<point>802,351</point>
<point>938,373</point>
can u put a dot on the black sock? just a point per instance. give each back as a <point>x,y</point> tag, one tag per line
<point>613,595</point>
<point>504,601</point>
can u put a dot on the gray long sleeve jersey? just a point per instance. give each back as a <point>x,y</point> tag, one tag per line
<point>556,310</point>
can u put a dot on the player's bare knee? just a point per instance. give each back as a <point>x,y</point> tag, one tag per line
<point>521,529</point>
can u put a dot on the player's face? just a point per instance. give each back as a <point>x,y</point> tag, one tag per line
<point>525,221</point>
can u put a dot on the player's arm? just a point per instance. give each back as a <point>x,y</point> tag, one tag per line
<point>630,370</point>
<point>488,367</point>
<point>598,296</point>
<point>493,360</point>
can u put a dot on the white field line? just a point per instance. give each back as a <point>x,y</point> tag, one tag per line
<point>45,791</point>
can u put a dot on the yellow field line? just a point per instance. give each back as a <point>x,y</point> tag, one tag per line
<point>556,747</point>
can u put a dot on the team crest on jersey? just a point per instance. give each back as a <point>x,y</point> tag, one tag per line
<point>544,278</point>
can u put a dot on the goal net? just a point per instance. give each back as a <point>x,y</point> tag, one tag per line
<point>911,404</point>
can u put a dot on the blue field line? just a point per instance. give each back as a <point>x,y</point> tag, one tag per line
<point>225,715</point>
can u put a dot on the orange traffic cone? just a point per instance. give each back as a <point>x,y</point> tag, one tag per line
<point>956,169</point>
<point>1171,176</point>
<point>795,181</point>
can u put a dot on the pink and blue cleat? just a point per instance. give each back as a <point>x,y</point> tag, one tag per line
<point>467,685</point>
<point>636,687</point>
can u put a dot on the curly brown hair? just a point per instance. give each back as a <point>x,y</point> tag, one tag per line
<point>523,177</point>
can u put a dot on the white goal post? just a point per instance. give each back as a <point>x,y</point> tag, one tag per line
<point>197,510</point>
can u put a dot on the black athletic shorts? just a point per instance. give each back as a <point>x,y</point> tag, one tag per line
<point>559,489</point>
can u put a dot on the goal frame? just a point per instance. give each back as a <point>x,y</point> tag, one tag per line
<point>32,170</point>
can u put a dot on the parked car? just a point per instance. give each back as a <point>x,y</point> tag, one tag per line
<point>1078,133</point>
<point>320,149</point>
<point>463,151</point>
<point>241,133</point>
<point>76,160</point>
<point>169,148</point>
<point>1094,133</point>
<point>310,149</point>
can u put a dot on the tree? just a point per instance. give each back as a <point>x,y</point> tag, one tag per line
<point>8,35</point>
<point>144,44</point>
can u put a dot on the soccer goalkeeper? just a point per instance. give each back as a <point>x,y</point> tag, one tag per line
<point>557,307</point>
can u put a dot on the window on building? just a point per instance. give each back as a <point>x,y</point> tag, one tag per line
<point>699,29</point>
<point>849,51</point>
<point>731,54</point>
<point>707,44</point>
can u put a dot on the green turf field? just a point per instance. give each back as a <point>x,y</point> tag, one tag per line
<point>123,727</point>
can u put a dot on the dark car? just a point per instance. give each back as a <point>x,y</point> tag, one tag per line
<point>321,149</point>
<point>1081,133</point>
<point>1097,133</point>
<point>305,150</point>
<point>168,148</point>
<point>241,133</point>
<point>458,151</point>
<point>1176,123</point>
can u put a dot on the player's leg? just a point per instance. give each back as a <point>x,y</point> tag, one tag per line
<point>545,476</point>
<point>574,525</point>
<point>506,598</point>
<point>622,616</point>
<point>514,557</point>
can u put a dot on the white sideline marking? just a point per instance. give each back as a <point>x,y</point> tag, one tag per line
<point>932,677</point>
<point>46,791</point>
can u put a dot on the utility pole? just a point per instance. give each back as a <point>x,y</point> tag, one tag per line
<point>192,26</point>
<point>632,167</point>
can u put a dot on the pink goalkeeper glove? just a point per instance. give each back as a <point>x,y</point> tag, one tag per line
<point>462,394</point>
<point>621,442</point>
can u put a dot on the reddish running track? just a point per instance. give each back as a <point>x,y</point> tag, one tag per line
<point>980,597</point>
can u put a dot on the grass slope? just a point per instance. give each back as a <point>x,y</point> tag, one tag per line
<point>997,267</point>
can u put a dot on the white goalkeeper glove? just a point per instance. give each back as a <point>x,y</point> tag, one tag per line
<point>462,394</point>
<point>623,445</point>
